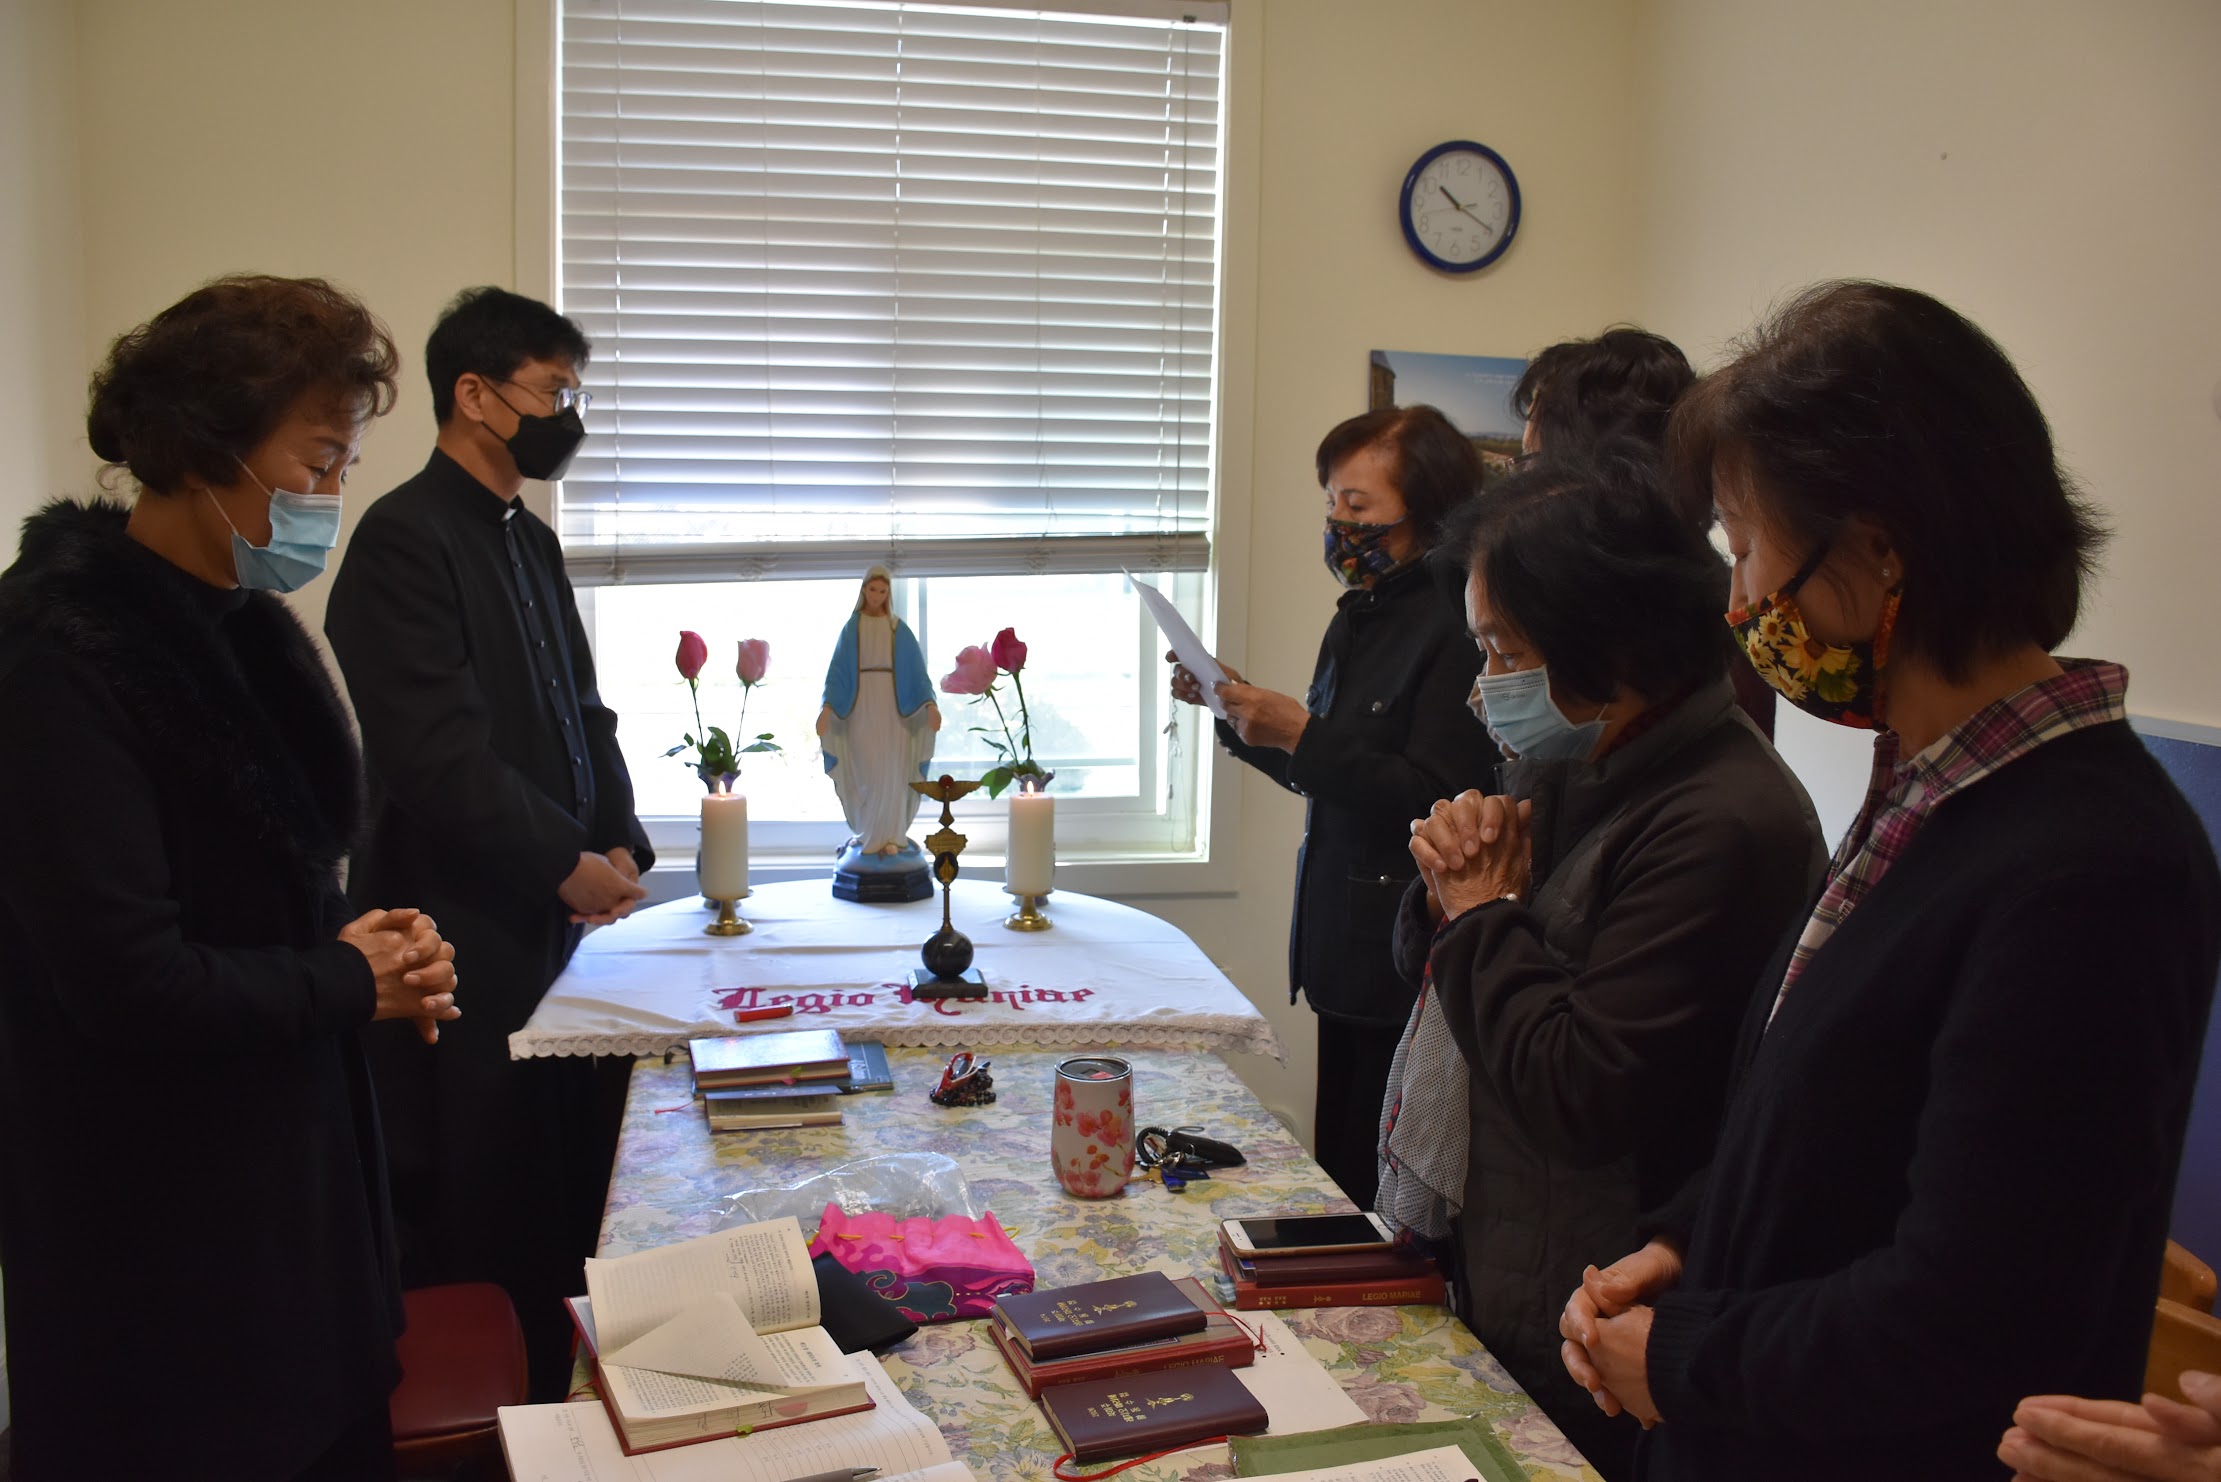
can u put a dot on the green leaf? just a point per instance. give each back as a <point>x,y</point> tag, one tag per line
<point>674,751</point>
<point>996,781</point>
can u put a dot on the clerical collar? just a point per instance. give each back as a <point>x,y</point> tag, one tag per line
<point>465,486</point>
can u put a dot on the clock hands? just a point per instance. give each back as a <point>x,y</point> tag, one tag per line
<point>1460,205</point>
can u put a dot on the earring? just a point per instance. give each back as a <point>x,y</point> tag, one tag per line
<point>1885,573</point>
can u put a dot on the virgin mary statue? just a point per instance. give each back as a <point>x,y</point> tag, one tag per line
<point>877,729</point>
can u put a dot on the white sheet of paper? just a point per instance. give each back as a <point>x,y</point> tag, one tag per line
<point>712,1340</point>
<point>575,1443</point>
<point>1296,1390</point>
<point>1186,647</point>
<point>764,1267</point>
<point>1440,1464</point>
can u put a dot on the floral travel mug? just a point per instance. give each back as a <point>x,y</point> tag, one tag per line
<point>1092,1141</point>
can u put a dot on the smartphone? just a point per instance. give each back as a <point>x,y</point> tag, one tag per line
<point>1287,1234</point>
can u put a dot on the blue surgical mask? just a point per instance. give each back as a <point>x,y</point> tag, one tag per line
<point>303,530</point>
<point>1523,719</point>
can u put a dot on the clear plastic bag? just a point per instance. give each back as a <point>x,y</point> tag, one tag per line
<point>905,1185</point>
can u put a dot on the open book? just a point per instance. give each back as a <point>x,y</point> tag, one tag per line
<point>574,1443</point>
<point>712,1337</point>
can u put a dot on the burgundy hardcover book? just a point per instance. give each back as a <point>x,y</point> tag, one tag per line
<point>1096,1315</point>
<point>1386,1265</point>
<point>1108,1418</point>
<point>1428,1290</point>
<point>1222,1340</point>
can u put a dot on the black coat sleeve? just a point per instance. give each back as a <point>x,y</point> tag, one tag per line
<point>89,888</point>
<point>615,824</point>
<point>1414,933</point>
<point>2046,1116</point>
<point>1689,913</point>
<point>427,728</point>
<point>1270,760</point>
<point>1336,761</point>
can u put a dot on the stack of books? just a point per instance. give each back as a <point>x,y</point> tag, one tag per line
<point>795,1078</point>
<point>1112,1351</point>
<point>1393,1277</point>
<point>1128,1365</point>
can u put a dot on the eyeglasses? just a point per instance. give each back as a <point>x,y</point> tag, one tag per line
<point>563,398</point>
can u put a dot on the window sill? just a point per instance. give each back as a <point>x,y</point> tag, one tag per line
<point>1124,877</point>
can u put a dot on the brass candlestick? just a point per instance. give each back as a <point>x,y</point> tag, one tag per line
<point>728,922</point>
<point>1029,915</point>
<point>947,954</point>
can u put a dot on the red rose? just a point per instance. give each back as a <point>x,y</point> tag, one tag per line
<point>1008,652</point>
<point>693,654</point>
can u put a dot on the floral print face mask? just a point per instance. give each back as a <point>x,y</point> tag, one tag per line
<point>1355,551</point>
<point>1839,682</point>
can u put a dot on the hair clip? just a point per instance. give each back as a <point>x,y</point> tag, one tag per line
<point>965,1082</point>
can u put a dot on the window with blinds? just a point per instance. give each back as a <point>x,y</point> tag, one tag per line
<point>925,284</point>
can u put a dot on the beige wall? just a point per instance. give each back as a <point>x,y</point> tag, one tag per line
<point>370,144</point>
<point>2052,168</point>
<point>2048,166</point>
<point>42,328</point>
<point>1351,95</point>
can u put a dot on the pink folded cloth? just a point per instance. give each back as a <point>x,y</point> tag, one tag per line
<point>933,1270</point>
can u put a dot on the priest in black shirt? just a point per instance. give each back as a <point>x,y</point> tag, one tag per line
<point>500,804</point>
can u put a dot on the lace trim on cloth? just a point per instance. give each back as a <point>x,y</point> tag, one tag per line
<point>1213,1032</point>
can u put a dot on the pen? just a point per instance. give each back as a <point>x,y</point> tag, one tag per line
<point>750,1016</point>
<point>845,1474</point>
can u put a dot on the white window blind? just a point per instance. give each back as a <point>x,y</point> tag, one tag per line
<point>928,284</point>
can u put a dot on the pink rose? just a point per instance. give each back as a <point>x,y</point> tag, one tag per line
<point>1009,654</point>
<point>693,654</point>
<point>973,674</point>
<point>755,653</point>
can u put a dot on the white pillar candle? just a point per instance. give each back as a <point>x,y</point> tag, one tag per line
<point>1032,858</point>
<point>721,868</point>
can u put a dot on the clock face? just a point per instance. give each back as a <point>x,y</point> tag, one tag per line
<point>1460,206</point>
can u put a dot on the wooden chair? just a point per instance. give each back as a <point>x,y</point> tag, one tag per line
<point>461,1360</point>
<point>2185,1334</point>
<point>2182,1338</point>
<point>2186,1279</point>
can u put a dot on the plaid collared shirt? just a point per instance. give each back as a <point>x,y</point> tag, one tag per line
<point>1901,795</point>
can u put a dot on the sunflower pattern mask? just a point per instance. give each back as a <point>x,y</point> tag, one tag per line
<point>1838,682</point>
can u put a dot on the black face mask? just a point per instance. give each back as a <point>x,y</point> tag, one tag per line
<point>543,447</point>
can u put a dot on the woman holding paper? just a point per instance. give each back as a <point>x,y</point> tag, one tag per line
<point>1381,733</point>
<point>201,1280</point>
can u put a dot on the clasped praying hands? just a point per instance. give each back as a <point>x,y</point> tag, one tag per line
<point>1606,1327</point>
<point>1472,849</point>
<point>413,966</point>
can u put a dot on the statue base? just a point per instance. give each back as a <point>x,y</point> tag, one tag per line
<point>967,985</point>
<point>878,879</point>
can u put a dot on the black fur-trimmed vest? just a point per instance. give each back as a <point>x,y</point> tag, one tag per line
<point>234,711</point>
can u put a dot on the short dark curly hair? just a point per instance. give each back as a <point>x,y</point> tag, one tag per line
<point>201,385</point>
<point>1592,564</point>
<point>1435,466</point>
<point>1868,401</point>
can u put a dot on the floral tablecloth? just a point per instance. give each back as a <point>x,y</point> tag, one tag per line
<point>674,1180</point>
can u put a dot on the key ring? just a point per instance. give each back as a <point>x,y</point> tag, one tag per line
<point>1153,1145</point>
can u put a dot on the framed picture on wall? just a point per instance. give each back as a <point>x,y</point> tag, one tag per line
<point>1473,391</point>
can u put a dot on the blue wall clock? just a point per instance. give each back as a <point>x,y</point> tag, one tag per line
<point>1460,206</point>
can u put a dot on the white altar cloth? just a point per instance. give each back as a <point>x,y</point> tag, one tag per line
<point>1106,974</point>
